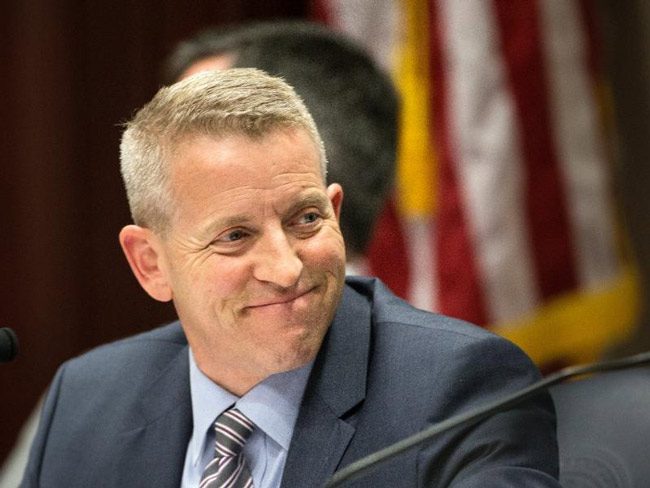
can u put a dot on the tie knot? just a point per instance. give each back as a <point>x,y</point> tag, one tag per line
<point>232,430</point>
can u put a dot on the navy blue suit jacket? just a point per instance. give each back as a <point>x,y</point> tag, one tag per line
<point>121,414</point>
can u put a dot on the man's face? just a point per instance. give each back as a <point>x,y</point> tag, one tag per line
<point>254,258</point>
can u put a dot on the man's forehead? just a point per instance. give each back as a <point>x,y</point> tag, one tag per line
<point>190,136</point>
<point>188,147</point>
<point>220,180</point>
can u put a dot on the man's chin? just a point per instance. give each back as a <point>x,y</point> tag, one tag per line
<point>296,358</point>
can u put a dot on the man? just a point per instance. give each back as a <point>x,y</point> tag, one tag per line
<point>352,101</point>
<point>225,175</point>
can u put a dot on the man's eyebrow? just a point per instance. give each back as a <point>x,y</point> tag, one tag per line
<point>310,200</point>
<point>208,231</point>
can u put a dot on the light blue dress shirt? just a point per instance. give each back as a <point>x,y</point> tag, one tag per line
<point>271,405</point>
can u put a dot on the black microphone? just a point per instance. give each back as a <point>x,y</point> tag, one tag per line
<point>464,419</point>
<point>8,344</point>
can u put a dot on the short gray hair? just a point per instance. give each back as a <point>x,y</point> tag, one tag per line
<point>213,103</point>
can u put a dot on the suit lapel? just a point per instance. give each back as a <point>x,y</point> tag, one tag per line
<point>153,453</point>
<point>337,384</point>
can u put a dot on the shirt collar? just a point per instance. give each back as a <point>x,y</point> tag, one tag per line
<point>272,405</point>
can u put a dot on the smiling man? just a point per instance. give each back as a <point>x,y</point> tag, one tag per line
<point>280,370</point>
<point>252,254</point>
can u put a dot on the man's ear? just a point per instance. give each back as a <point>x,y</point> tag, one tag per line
<point>335,194</point>
<point>145,255</point>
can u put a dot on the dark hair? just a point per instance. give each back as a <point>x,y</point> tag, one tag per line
<point>352,101</point>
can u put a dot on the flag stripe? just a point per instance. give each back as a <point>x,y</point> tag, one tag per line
<point>461,293</point>
<point>421,245</point>
<point>388,256</point>
<point>319,10</point>
<point>375,28</point>
<point>485,139</point>
<point>575,124</point>
<point>603,97</point>
<point>587,21</point>
<point>551,240</point>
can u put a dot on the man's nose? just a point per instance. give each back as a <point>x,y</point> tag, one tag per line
<point>277,260</point>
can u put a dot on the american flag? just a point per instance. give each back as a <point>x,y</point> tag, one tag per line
<point>504,212</point>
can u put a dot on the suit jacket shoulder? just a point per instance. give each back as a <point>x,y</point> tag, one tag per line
<point>387,370</point>
<point>118,415</point>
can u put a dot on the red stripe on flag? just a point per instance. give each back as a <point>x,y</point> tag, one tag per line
<point>387,254</point>
<point>460,293</point>
<point>551,239</point>
<point>597,76</point>
<point>319,11</point>
<point>593,36</point>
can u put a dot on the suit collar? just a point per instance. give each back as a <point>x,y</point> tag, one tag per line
<point>337,384</point>
<point>322,432</point>
<point>341,365</point>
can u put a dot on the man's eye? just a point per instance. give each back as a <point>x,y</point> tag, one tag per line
<point>310,218</point>
<point>232,236</point>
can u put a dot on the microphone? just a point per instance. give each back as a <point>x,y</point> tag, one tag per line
<point>8,345</point>
<point>468,418</point>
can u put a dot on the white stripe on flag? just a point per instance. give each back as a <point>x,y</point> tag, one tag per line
<point>578,141</point>
<point>422,270</point>
<point>484,140</point>
<point>373,23</point>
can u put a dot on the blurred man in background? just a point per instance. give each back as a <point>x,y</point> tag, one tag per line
<point>352,100</point>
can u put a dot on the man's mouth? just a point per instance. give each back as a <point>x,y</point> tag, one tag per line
<point>280,300</point>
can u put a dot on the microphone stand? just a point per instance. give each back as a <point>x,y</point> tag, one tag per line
<point>473,416</point>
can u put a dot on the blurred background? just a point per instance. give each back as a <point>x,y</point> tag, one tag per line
<point>523,171</point>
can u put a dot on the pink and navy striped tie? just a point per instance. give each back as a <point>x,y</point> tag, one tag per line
<point>228,469</point>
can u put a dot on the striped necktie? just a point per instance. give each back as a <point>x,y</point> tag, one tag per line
<point>228,469</point>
